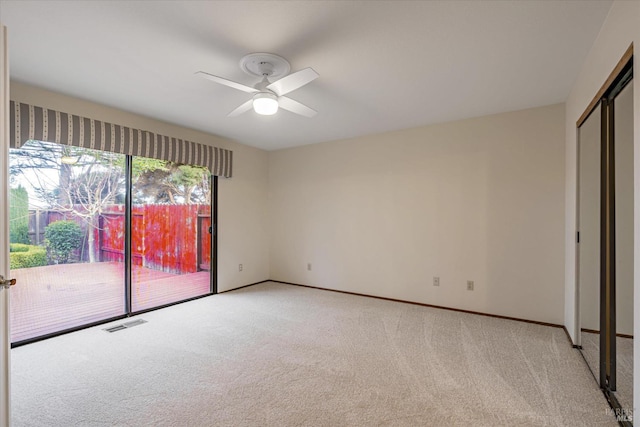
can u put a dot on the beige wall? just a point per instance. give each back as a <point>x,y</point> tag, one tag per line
<point>243,234</point>
<point>621,28</point>
<point>478,199</point>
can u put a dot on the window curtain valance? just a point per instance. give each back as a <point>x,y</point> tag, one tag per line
<point>31,122</point>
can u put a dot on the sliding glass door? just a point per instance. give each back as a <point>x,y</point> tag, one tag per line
<point>60,202</point>
<point>170,249</point>
<point>98,235</point>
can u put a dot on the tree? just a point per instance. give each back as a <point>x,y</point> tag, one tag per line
<point>97,185</point>
<point>83,182</point>
<point>78,181</point>
<point>36,155</point>
<point>164,182</point>
<point>191,182</point>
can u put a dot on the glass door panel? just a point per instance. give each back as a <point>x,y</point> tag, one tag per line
<point>67,237</point>
<point>606,265</point>
<point>623,153</point>
<point>170,248</point>
<point>589,160</point>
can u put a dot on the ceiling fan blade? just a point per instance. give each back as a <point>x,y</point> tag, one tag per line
<point>243,108</point>
<point>227,82</point>
<point>293,81</point>
<point>296,107</point>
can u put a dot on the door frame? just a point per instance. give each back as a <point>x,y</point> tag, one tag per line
<point>621,75</point>
<point>5,335</point>
<point>616,74</point>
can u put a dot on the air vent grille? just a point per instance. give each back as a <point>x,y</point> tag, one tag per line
<point>134,323</point>
<point>125,325</point>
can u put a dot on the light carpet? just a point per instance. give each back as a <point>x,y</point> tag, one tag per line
<point>281,355</point>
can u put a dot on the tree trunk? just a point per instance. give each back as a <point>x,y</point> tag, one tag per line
<point>91,242</point>
<point>64,196</point>
<point>188,192</point>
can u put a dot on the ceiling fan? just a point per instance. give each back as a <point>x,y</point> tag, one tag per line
<point>269,96</point>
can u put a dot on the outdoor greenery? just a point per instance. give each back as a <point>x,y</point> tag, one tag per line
<point>82,184</point>
<point>34,256</point>
<point>163,182</point>
<point>19,215</point>
<point>18,247</point>
<point>20,234</point>
<point>61,238</point>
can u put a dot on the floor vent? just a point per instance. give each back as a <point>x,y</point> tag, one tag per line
<point>134,323</point>
<point>125,325</point>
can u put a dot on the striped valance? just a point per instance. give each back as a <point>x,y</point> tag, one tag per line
<point>31,122</point>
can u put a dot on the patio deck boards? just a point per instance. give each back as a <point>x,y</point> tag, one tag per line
<point>58,297</point>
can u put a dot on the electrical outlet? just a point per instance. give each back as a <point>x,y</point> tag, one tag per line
<point>436,281</point>
<point>469,285</point>
<point>309,266</point>
<point>239,267</point>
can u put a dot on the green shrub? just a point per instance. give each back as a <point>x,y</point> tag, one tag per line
<point>35,256</point>
<point>61,238</point>
<point>18,247</point>
<point>19,215</point>
<point>20,234</point>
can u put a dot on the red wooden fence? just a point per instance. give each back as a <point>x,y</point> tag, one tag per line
<point>170,238</point>
<point>164,237</point>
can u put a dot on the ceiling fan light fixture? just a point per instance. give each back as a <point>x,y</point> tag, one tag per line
<point>265,103</point>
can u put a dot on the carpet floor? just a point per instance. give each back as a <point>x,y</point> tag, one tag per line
<point>281,355</point>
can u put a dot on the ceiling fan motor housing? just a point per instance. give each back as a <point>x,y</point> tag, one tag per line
<point>265,65</point>
<point>262,85</point>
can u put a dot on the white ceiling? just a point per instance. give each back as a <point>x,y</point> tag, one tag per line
<point>383,65</point>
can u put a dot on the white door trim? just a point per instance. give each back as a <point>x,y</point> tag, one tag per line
<point>5,346</point>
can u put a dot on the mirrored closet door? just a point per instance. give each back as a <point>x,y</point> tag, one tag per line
<point>589,238</point>
<point>605,241</point>
<point>623,158</point>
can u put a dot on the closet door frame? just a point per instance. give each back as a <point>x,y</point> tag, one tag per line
<point>617,81</point>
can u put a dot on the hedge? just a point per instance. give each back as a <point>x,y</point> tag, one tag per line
<point>18,247</point>
<point>35,256</point>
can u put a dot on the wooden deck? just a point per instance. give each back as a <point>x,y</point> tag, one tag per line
<point>58,297</point>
